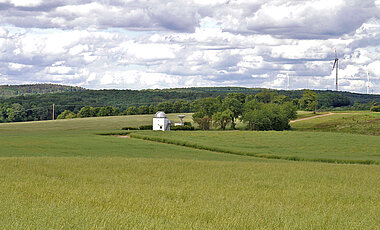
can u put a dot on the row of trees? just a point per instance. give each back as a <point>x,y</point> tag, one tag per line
<point>264,111</point>
<point>180,106</point>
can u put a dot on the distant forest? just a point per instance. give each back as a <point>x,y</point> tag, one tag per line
<point>37,100</point>
<point>7,91</point>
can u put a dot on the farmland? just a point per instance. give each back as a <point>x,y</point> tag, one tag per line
<point>298,145</point>
<point>60,174</point>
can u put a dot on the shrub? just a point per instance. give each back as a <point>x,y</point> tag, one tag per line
<point>375,108</point>
<point>146,127</point>
<point>129,128</point>
<point>267,117</point>
<point>182,127</point>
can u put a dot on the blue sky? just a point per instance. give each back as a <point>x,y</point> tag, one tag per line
<point>165,44</point>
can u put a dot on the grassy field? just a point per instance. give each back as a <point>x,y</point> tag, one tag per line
<point>59,174</point>
<point>356,123</point>
<point>287,144</point>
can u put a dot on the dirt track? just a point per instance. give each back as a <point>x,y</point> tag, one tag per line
<point>307,118</point>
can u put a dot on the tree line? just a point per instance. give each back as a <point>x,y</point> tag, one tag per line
<point>129,102</point>
<point>7,91</point>
<point>179,106</point>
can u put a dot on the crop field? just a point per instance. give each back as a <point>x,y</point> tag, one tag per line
<point>60,174</point>
<point>313,146</point>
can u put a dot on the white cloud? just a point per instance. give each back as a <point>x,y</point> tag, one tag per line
<point>161,44</point>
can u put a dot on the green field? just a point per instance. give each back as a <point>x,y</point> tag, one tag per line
<point>288,144</point>
<point>60,174</point>
<point>356,123</point>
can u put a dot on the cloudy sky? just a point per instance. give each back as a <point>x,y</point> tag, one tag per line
<point>139,44</point>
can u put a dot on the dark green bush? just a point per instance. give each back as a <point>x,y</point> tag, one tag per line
<point>146,127</point>
<point>182,127</point>
<point>129,128</point>
<point>375,108</point>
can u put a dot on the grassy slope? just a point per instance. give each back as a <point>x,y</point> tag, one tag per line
<point>357,123</point>
<point>138,184</point>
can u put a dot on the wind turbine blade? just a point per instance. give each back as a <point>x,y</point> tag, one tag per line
<point>334,64</point>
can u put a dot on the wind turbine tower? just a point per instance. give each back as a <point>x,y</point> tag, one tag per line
<point>336,66</point>
<point>288,85</point>
<point>368,83</point>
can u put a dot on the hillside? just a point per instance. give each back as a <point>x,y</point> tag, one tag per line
<point>7,91</point>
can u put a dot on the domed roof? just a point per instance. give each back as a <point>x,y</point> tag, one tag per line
<point>160,114</point>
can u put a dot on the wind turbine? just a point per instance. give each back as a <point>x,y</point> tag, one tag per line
<point>368,83</point>
<point>288,86</point>
<point>336,62</point>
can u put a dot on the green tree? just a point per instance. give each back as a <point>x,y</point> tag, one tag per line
<point>108,111</point>
<point>238,96</point>
<point>203,122</point>
<point>130,111</point>
<point>290,110</point>
<point>375,108</point>
<point>185,107</point>
<point>144,109</point>
<point>280,99</point>
<point>16,112</point>
<point>333,99</point>
<point>177,106</point>
<point>261,116</point>
<point>3,112</point>
<point>86,111</point>
<point>205,106</point>
<point>167,107</point>
<point>265,96</point>
<point>248,111</point>
<point>222,119</point>
<point>309,101</point>
<point>153,109</point>
<point>67,114</point>
<point>235,106</point>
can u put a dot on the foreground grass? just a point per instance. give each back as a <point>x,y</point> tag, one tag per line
<point>114,193</point>
<point>312,146</point>
<point>356,123</point>
<point>59,174</point>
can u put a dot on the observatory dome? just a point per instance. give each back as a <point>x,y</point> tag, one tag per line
<point>160,114</point>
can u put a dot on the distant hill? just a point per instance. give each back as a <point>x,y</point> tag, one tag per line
<point>7,91</point>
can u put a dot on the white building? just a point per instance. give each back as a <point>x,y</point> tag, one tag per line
<point>161,122</point>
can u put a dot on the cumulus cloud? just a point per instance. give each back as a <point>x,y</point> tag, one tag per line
<point>161,44</point>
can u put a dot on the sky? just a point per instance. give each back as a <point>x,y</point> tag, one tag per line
<point>144,44</point>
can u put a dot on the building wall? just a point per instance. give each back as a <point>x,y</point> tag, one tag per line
<point>161,124</point>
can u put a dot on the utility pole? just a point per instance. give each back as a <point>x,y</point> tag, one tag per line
<point>53,112</point>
